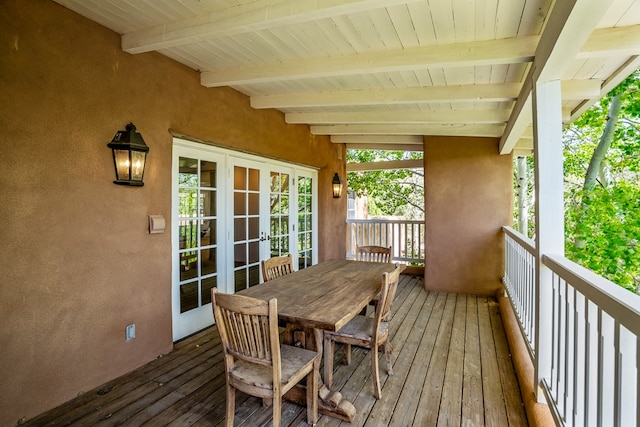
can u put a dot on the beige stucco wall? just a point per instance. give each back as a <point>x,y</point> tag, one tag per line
<point>468,199</point>
<point>76,261</point>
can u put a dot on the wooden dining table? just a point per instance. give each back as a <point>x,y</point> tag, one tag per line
<point>325,296</point>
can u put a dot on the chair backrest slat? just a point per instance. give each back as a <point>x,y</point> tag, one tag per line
<point>277,266</point>
<point>374,253</point>
<point>248,327</point>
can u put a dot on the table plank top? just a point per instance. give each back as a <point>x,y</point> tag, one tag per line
<point>325,295</point>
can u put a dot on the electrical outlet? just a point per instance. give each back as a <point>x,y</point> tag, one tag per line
<point>130,332</point>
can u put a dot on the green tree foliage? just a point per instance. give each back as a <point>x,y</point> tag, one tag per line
<point>602,186</point>
<point>609,221</point>
<point>398,192</point>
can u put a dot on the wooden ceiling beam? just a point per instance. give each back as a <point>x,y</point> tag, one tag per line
<point>386,147</point>
<point>469,54</point>
<point>401,117</point>
<point>462,93</point>
<point>602,42</point>
<point>380,142</point>
<point>616,41</point>
<point>378,139</point>
<point>489,130</point>
<point>451,94</point>
<point>243,18</point>
<point>385,165</point>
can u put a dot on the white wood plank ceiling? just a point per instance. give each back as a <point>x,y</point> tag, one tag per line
<point>382,73</point>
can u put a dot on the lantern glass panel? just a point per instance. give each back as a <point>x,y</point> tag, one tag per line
<point>121,157</point>
<point>137,166</point>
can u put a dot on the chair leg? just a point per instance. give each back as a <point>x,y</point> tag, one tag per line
<point>374,371</point>
<point>347,354</point>
<point>277,411</point>
<point>231,405</point>
<point>388,353</point>
<point>312,394</point>
<point>328,360</point>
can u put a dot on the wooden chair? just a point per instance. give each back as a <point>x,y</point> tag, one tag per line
<point>366,331</point>
<point>277,266</point>
<point>374,253</point>
<point>255,361</point>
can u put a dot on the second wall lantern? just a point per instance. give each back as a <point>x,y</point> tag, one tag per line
<point>336,184</point>
<point>129,156</point>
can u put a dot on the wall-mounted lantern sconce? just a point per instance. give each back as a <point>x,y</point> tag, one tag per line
<point>129,156</point>
<point>336,183</point>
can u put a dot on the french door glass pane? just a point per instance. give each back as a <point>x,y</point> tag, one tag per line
<point>279,192</point>
<point>188,296</point>
<point>254,203</point>
<point>187,202</point>
<point>305,221</point>
<point>246,227</point>
<point>209,262</point>
<point>197,214</point>
<point>254,228</point>
<point>207,285</point>
<point>208,174</point>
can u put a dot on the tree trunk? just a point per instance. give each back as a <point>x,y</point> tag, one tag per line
<point>600,152</point>
<point>596,163</point>
<point>523,208</point>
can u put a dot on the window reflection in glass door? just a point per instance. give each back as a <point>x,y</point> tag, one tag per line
<point>305,222</point>
<point>279,197</point>
<point>246,227</point>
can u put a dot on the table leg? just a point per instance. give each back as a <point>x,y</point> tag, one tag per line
<point>330,402</point>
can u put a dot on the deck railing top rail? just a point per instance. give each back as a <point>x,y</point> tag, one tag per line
<point>522,240</point>
<point>618,302</point>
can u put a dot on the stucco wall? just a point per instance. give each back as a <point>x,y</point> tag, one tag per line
<point>77,263</point>
<point>468,199</point>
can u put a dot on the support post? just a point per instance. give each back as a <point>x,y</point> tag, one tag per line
<point>547,133</point>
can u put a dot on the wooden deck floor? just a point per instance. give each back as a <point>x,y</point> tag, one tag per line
<point>451,361</point>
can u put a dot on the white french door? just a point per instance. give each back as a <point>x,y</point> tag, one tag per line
<point>198,180</point>
<point>231,211</point>
<point>249,223</point>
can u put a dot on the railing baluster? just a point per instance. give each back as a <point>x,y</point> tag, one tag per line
<point>555,348</point>
<point>574,373</point>
<point>617,371</point>
<point>600,368</point>
<point>637,413</point>
<point>565,384</point>
<point>587,363</point>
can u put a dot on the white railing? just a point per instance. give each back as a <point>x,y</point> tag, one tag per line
<point>406,237</point>
<point>519,281</point>
<point>594,341</point>
<point>594,347</point>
